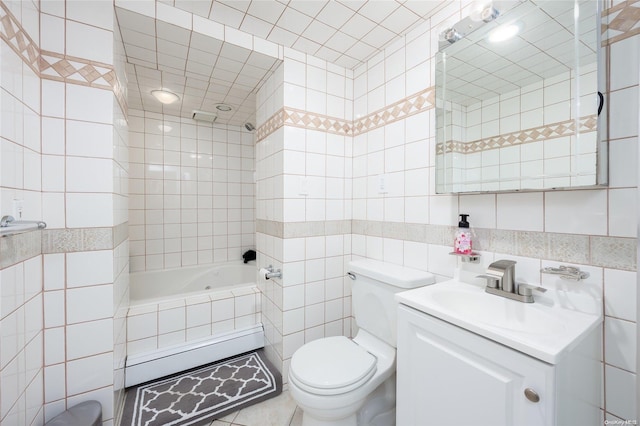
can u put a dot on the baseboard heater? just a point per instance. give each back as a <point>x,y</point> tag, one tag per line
<point>147,366</point>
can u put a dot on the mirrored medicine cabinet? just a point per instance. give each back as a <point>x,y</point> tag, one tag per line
<point>519,102</point>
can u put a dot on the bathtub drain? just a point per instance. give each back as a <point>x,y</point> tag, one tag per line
<point>208,287</point>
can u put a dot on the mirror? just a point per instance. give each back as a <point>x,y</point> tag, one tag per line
<point>520,113</point>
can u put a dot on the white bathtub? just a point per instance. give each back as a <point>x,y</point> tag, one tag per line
<point>154,286</point>
<point>182,318</point>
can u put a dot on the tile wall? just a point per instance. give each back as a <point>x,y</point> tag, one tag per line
<point>536,229</point>
<point>158,325</point>
<point>399,218</point>
<point>21,299</point>
<point>192,192</point>
<point>304,202</point>
<point>62,58</point>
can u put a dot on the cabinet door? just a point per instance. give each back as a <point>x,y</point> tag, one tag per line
<point>449,376</point>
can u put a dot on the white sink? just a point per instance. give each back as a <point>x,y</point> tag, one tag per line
<point>543,329</point>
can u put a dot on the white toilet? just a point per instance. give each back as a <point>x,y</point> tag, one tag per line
<point>342,382</point>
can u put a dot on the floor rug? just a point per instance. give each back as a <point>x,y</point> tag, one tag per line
<point>199,396</point>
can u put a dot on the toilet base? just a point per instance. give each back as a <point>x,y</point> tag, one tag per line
<point>379,409</point>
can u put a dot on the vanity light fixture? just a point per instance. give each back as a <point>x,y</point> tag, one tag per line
<point>451,35</point>
<point>483,11</point>
<point>223,107</point>
<point>504,32</point>
<point>165,96</point>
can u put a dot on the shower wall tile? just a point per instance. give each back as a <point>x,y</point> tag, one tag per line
<point>191,192</point>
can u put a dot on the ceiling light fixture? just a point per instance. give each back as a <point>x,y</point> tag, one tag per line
<point>223,107</point>
<point>165,96</point>
<point>504,32</point>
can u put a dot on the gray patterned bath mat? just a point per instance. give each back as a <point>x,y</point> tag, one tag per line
<point>199,396</point>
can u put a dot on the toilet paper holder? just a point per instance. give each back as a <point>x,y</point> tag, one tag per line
<point>269,272</point>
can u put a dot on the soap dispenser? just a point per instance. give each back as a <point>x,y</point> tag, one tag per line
<point>462,243</point>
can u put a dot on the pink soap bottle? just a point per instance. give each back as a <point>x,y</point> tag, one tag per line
<point>462,243</point>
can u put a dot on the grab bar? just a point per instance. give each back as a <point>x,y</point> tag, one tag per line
<point>9,226</point>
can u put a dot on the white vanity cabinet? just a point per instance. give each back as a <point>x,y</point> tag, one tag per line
<point>447,375</point>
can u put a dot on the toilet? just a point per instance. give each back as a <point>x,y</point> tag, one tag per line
<point>342,382</point>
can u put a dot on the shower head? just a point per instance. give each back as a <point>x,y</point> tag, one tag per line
<point>250,127</point>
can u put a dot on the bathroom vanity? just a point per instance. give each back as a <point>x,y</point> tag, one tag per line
<point>467,357</point>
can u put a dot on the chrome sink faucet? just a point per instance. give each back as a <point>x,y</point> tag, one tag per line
<point>500,278</point>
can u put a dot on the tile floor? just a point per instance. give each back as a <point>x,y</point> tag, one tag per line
<point>279,411</point>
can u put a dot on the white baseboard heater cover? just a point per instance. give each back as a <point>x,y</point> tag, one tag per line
<point>147,366</point>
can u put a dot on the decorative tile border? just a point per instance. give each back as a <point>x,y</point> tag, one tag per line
<point>414,104</point>
<point>603,251</point>
<point>621,22</point>
<point>303,229</point>
<point>17,38</point>
<point>537,134</point>
<point>404,108</point>
<point>56,66</point>
<point>20,247</point>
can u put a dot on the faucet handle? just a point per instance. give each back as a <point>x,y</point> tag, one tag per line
<point>492,280</point>
<point>528,289</point>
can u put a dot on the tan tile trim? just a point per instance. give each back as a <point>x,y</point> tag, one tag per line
<point>20,247</point>
<point>550,131</point>
<point>303,229</point>
<point>621,22</point>
<point>596,250</point>
<point>402,109</point>
<point>414,104</point>
<point>56,66</point>
<point>17,38</point>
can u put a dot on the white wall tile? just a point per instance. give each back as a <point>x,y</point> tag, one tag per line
<point>620,343</point>
<point>562,216</point>
<point>522,211</point>
<point>89,268</point>
<point>89,373</point>
<point>620,391</point>
<point>620,289</point>
<point>89,338</point>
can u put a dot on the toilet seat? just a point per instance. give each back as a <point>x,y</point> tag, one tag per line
<point>331,366</point>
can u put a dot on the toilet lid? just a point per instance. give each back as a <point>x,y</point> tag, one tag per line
<point>332,363</point>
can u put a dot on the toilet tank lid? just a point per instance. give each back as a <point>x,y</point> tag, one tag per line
<point>396,275</point>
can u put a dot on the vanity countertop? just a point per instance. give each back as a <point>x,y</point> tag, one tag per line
<point>544,330</point>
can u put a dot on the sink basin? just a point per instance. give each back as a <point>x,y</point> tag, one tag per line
<point>496,312</point>
<point>543,329</point>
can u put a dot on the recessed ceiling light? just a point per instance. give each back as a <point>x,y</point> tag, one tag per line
<point>223,107</point>
<point>504,32</point>
<point>165,96</point>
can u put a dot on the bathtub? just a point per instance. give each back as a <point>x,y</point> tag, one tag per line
<point>186,317</point>
<point>154,286</point>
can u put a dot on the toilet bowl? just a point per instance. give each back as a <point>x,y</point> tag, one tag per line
<point>342,382</point>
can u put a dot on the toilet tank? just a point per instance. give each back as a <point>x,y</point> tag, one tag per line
<point>372,294</point>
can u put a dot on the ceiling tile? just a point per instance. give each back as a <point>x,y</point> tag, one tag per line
<point>226,15</point>
<point>256,26</point>
<point>399,20</point>
<point>234,52</point>
<point>293,21</point>
<point>378,37</point>
<point>197,7</point>
<point>138,39</point>
<point>378,10</point>
<point>340,42</point>
<point>308,7</point>
<point>318,32</point>
<point>358,26</point>
<point>267,11</point>
<point>335,14</point>
<point>283,37</point>
<point>173,33</point>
